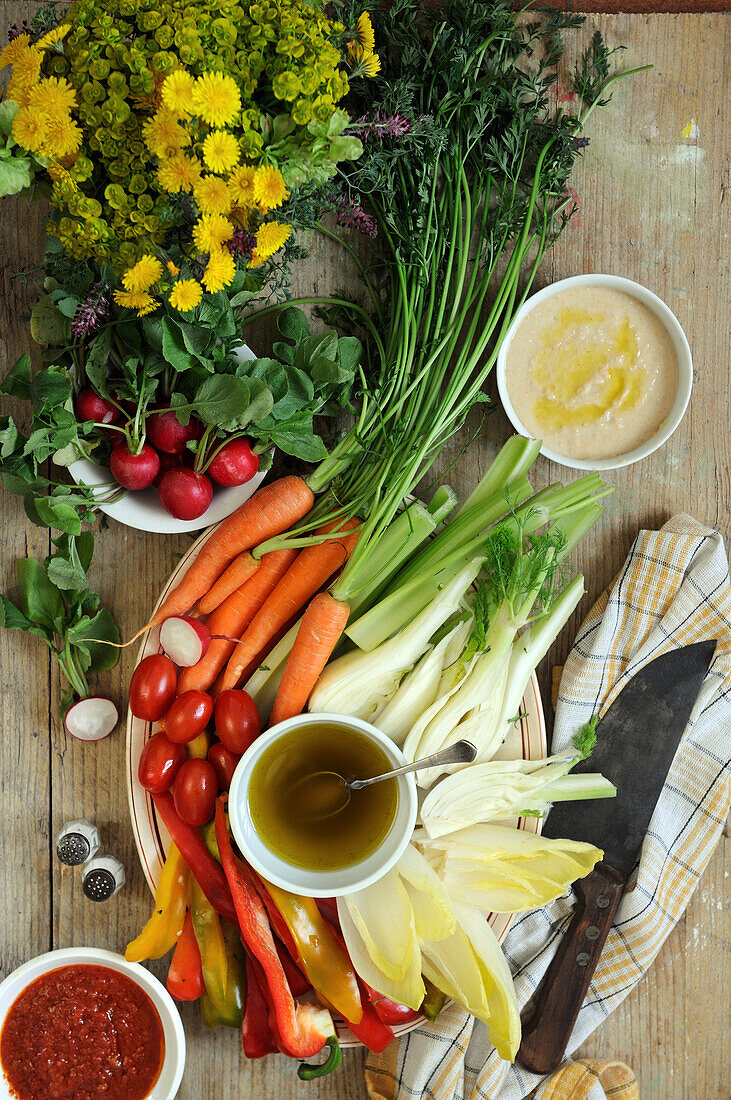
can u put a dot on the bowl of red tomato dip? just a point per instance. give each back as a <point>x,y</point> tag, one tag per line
<point>85,1024</point>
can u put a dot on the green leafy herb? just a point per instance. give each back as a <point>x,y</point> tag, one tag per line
<point>585,739</point>
<point>56,604</point>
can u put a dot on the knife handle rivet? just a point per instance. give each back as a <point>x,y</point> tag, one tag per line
<point>582,958</point>
<point>602,901</point>
<point>592,932</point>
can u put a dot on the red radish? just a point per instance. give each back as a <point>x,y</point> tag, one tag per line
<point>134,471</point>
<point>234,464</point>
<point>166,433</point>
<point>167,462</point>
<point>184,639</point>
<point>184,493</point>
<point>91,719</point>
<point>90,406</point>
<point>224,764</point>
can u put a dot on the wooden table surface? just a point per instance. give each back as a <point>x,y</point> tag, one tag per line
<point>651,189</point>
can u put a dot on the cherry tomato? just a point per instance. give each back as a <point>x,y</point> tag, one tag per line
<point>152,687</point>
<point>194,792</point>
<point>160,762</point>
<point>224,762</point>
<point>188,716</point>
<point>236,719</point>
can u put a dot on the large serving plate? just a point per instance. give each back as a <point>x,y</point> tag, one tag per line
<point>526,740</point>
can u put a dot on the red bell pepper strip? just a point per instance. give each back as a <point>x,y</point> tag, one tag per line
<point>256,1033</point>
<point>201,863</point>
<point>391,1012</point>
<point>185,976</point>
<point>296,980</point>
<point>304,1029</point>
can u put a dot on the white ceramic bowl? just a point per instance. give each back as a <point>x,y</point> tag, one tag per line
<point>682,350</point>
<point>320,884</point>
<point>143,511</point>
<point>168,1083</point>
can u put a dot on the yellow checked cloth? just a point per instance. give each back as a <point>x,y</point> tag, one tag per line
<point>673,590</point>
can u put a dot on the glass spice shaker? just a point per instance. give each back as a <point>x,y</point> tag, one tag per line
<point>103,877</point>
<point>77,843</point>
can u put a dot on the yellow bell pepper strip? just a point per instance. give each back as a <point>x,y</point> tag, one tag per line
<point>323,961</point>
<point>222,971</point>
<point>166,923</point>
<point>303,1028</point>
<point>199,746</point>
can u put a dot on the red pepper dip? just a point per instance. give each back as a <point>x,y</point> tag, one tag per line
<point>80,1033</point>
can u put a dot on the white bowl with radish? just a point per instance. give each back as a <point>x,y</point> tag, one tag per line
<point>142,510</point>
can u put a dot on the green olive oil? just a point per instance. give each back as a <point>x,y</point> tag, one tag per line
<point>287,808</point>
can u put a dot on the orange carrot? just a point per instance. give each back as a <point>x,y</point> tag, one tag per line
<point>232,617</point>
<point>238,572</point>
<point>306,575</point>
<point>322,625</point>
<point>268,512</point>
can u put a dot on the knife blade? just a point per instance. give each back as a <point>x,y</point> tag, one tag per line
<point>636,741</point>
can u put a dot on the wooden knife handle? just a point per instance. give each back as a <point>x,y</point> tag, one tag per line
<point>567,980</point>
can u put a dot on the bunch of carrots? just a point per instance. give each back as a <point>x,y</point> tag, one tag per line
<point>251,600</point>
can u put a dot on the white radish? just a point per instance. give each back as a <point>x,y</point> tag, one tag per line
<point>91,719</point>
<point>184,639</point>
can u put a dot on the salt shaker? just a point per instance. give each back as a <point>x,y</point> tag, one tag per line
<point>77,843</point>
<point>103,877</point>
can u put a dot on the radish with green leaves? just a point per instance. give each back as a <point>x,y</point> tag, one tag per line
<point>184,493</point>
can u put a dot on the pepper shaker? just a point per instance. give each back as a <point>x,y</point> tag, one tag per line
<point>103,877</point>
<point>77,843</point>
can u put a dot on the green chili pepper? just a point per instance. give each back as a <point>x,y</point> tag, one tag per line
<point>306,1072</point>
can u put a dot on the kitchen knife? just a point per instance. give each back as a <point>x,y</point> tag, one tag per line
<point>636,743</point>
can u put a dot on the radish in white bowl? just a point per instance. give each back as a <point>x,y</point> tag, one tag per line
<point>184,639</point>
<point>91,719</point>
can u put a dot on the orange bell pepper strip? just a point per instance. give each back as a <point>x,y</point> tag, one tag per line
<point>185,976</point>
<point>324,962</point>
<point>304,1028</point>
<point>166,923</point>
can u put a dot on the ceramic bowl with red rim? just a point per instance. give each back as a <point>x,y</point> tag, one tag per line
<point>19,983</point>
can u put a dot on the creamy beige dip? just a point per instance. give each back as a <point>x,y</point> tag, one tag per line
<point>592,372</point>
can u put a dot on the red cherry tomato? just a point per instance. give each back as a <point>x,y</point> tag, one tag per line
<point>194,792</point>
<point>152,687</point>
<point>188,716</point>
<point>224,763</point>
<point>236,720</point>
<point>160,762</point>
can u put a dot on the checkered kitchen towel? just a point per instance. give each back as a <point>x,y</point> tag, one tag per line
<point>673,590</point>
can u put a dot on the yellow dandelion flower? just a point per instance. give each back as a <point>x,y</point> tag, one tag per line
<point>63,136</point>
<point>212,195</point>
<point>58,172</point>
<point>143,274</point>
<point>162,131</point>
<point>270,237</point>
<point>216,99</point>
<point>211,231</point>
<point>365,62</point>
<point>364,32</point>
<point>186,295</point>
<point>130,299</point>
<point>54,95</point>
<point>53,36</point>
<point>221,151</point>
<point>26,73</point>
<point>241,185</point>
<point>13,50</point>
<point>220,271</point>
<point>178,173</point>
<point>172,268</point>
<point>29,129</point>
<point>269,187</point>
<point>177,92</point>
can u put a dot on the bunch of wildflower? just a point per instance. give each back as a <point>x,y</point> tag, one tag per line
<point>364,61</point>
<point>91,312</point>
<point>43,124</point>
<point>352,215</point>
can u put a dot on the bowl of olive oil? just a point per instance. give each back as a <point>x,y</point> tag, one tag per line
<point>295,822</point>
